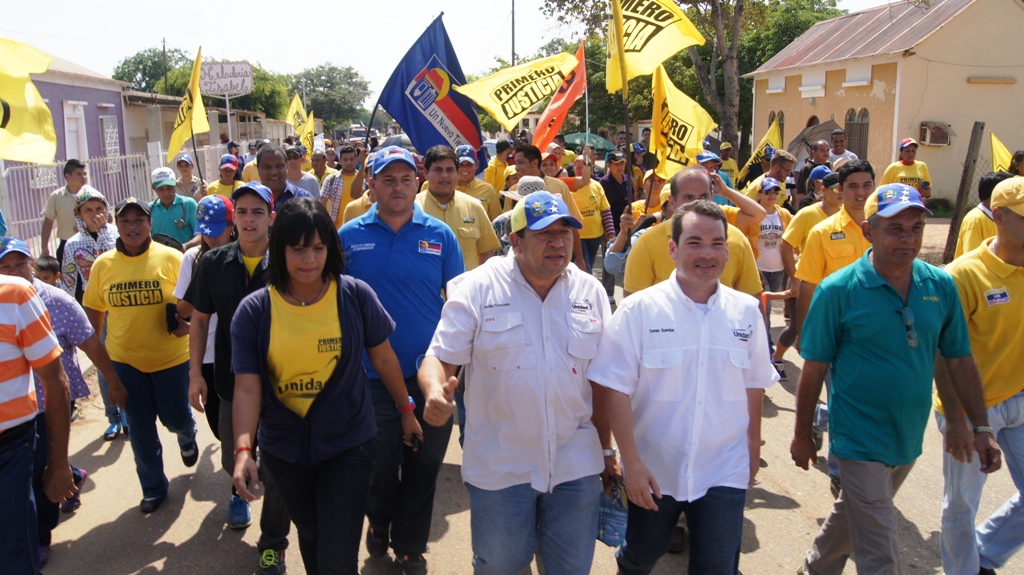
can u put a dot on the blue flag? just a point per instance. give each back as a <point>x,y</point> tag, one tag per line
<point>419,94</point>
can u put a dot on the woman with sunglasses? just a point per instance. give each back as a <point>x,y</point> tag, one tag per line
<point>297,351</point>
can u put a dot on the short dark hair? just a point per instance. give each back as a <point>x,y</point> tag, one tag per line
<point>646,129</point>
<point>837,132</point>
<point>1016,161</point>
<point>560,136</point>
<point>71,165</point>
<point>289,139</point>
<point>437,154</point>
<point>690,172</point>
<point>346,150</point>
<point>502,145</point>
<point>297,223</point>
<point>854,167</point>
<point>270,149</point>
<point>988,183</point>
<point>703,207</point>
<point>530,152</point>
<point>48,264</point>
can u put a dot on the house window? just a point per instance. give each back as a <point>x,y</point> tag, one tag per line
<point>76,144</point>
<point>782,127</point>
<point>771,118</point>
<point>857,124</point>
<point>111,142</point>
<point>812,121</point>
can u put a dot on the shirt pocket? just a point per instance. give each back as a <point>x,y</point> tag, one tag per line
<point>585,334</point>
<point>469,232</point>
<point>734,387</point>
<point>503,339</point>
<point>840,252</point>
<point>664,373</point>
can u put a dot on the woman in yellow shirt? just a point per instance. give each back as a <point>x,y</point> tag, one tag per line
<point>297,349</point>
<point>907,170</point>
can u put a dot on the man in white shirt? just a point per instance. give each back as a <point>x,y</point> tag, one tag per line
<point>526,326</point>
<point>839,150</point>
<point>686,363</point>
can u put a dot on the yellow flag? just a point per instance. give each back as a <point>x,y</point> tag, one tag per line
<point>191,115</point>
<point>510,94</point>
<point>306,136</point>
<point>26,125</point>
<point>652,30</point>
<point>771,138</point>
<point>679,126</point>
<point>296,114</point>
<point>1000,155</point>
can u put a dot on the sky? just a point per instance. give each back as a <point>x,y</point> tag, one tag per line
<point>371,37</point>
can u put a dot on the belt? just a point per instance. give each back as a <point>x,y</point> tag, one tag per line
<point>16,432</point>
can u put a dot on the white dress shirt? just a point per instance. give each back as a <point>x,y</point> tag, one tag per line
<point>528,401</point>
<point>687,373</point>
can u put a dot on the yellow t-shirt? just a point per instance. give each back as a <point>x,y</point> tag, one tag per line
<point>494,173</point>
<point>755,186</point>
<point>831,245</point>
<point>134,292</point>
<point>731,169</point>
<point>900,173</point>
<point>356,208</point>
<point>222,190</point>
<point>487,195</point>
<point>801,224</point>
<point>327,171</point>
<point>305,346</point>
<point>649,262</point>
<point>641,211</point>
<point>251,173</point>
<point>975,229</point>
<point>343,197</point>
<point>251,263</point>
<point>591,201</point>
<point>466,217</point>
<point>990,290</point>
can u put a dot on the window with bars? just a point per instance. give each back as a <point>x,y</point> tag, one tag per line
<point>857,124</point>
<point>781,117</point>
<point>111,142</point>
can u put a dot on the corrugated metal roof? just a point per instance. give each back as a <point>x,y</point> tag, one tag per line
<point>887,29</point>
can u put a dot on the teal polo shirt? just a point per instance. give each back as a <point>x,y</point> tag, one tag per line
<point>182,208</point>
<point>881,387</point>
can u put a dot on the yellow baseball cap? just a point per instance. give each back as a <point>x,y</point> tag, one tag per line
<point>1009,193</point>
<point>666,193</point>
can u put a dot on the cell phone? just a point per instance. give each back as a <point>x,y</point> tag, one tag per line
<point>417,442</point>
<point>171,311</point>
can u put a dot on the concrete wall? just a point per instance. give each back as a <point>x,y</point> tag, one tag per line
<point>96,101</point>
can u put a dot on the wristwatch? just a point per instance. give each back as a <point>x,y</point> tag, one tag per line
<point>983,429</point>
<point>609,452</point>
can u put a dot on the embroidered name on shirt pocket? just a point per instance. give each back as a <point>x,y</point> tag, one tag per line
<point>503,338</point>
<point>664,387</point>
<point>586,333</point>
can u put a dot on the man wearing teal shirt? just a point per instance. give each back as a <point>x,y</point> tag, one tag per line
<point>878,322</point>
<point>172,213</point>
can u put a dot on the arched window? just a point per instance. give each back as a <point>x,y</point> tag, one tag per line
<point>781,117</point>
<point>812,121</point>
<point>771,118</point>
<point>857,124</point>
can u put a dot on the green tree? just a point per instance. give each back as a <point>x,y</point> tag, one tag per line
<point>333,94</point>
<point>269,94</point>
<point>143,70</point>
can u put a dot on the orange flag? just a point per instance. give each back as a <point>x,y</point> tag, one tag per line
<point>558,108</point>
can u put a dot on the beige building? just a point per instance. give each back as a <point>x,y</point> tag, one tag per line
<point>904,70</point>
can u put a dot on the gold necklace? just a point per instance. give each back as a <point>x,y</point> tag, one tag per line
<point>319,294</point>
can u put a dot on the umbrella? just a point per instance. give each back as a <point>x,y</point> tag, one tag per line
<point>804,141</point>
<point>600,144</point>
<point>400,140</point>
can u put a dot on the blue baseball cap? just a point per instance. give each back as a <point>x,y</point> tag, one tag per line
<point>636,148</point>
<point>213,214</point>
<point>769,183</point>
<point>769,153</point>
<point>707,156</point>
<point>183,157</point>
<point>465,153</point>
<point>257,189</point>
<point>539,210</point>
<point>819,173</point>
<point>10,245</point>
<point>891,199</point>
<point>392,154</point>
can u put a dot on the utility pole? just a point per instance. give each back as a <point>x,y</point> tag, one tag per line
<point>165,66</point>
<point>513,32</point>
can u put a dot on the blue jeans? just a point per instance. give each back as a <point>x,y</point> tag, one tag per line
<point>509,524</point>
<point>326,502</point>
<point>771,281</point>
<point>715,523</point>
<point>964,548</point>
<point>162,394</point>
<point>590,247</point>
<point>404,481</point>
<point>19,537</point>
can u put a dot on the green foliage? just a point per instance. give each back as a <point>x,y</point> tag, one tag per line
<point>333,94</point>
<point>146,68</point>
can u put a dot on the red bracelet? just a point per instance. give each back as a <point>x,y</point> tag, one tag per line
<point>407,408</point>
<point>243,448</point>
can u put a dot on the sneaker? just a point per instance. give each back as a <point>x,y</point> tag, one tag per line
<point>239,516</point>
<point>76,501</point>
<point>44,555</point>
<point>412,564</point>
<point>376,542</point>
<point>272,562</point>
<point>835,487</point>
<point>679,540</point>
<point>111,433</point>
<point>780,366</point>
<point>190,454</point>
<point>982,571</point>
<point>74,411</point>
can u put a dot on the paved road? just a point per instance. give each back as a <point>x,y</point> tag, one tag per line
<point>189,533</point>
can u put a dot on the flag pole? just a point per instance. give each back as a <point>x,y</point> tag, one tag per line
<point>617,34</point>
<point>366,136</point>
<point>199,165</point>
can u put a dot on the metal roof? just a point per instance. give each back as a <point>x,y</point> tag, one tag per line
<point>888,29</point>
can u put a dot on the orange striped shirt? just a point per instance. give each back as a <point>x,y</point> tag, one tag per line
<point>26,341</point>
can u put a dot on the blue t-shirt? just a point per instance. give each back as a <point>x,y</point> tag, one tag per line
<point>881,387</point>
<point>164,219</point>
<point>408,271</point>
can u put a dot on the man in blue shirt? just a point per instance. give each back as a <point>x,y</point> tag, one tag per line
<point>878,323</point>
<point>173,214</point>
<point>407,257</point>
<point>272,163</point>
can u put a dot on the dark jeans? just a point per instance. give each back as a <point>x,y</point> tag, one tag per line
<point>608,281</point>
<point>212,406</point>
<point>404,481</point>
<point>162,394</point>
<point>590,248</point>
<point>715,523</point>
<point>19,537</point>
<point>47,512</point>
<point>326,500</point>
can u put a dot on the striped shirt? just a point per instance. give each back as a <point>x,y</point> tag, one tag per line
<point>26,341</point>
